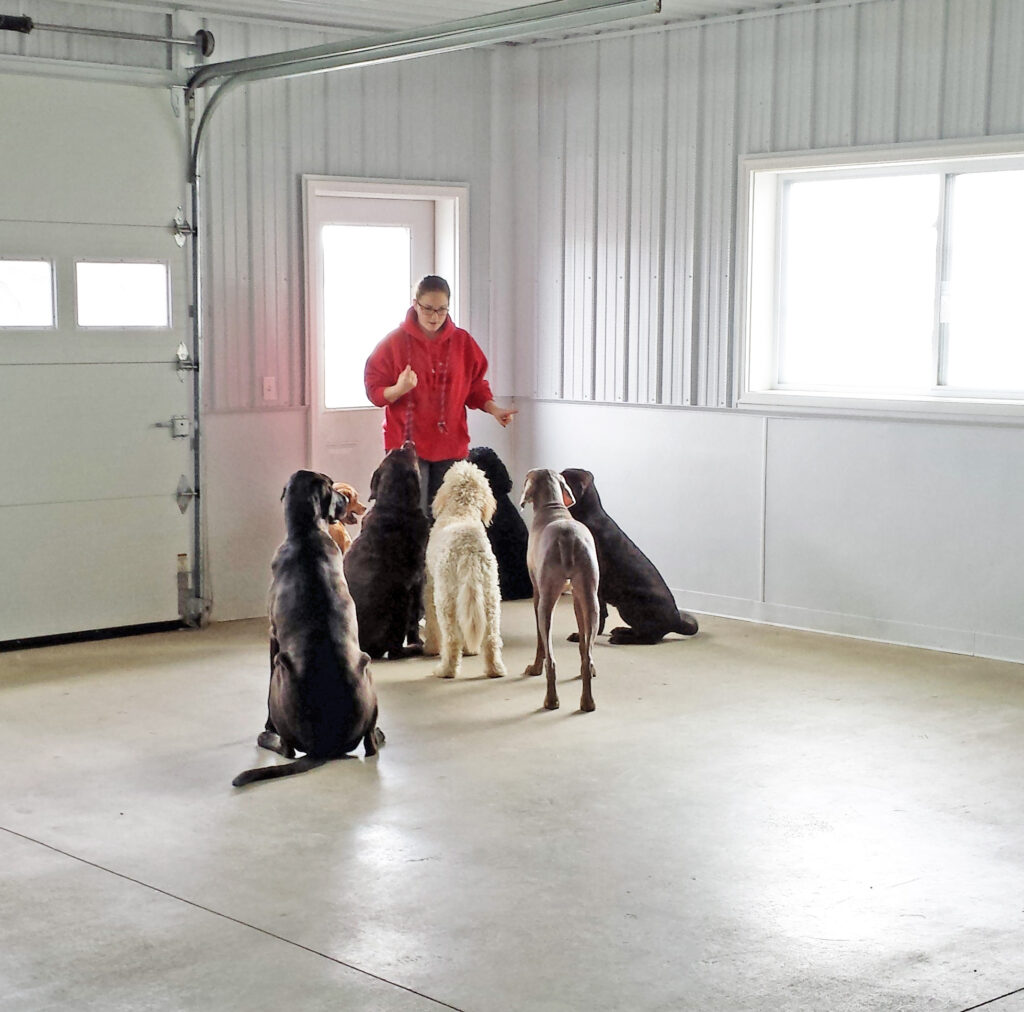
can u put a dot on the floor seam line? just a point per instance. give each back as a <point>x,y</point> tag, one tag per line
<point>1009,994</point>
<point>228,917</point>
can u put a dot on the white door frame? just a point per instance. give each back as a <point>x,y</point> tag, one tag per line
<point>451,260</point>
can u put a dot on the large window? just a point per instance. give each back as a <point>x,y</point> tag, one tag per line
<point>889,280</point>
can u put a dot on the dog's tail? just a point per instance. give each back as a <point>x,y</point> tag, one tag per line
<point>271,772</point>
<point>470,611</point>
<point>687,624</point>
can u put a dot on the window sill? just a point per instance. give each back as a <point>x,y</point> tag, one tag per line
<point>919,409</point>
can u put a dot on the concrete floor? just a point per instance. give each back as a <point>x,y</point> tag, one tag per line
<point>755,819</point>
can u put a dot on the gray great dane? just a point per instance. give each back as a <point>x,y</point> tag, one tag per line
<point>560,549</point>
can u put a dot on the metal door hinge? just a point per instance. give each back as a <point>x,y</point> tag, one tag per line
<point>184,362</point>
<point>181,228</point>
<point>185,493</point>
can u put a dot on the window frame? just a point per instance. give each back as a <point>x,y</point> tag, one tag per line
<point>761,184</point>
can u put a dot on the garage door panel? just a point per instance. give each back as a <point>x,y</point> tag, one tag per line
<point>92,572</point>
<point>114,446</point>
<point>90,528</point>
<point>66,342</point>
<point>93,151</point>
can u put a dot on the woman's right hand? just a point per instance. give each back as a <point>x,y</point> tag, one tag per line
<point>405,382</point>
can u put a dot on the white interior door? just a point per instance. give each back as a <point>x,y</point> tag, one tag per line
<point>365,255</point>
<point>91,532</point>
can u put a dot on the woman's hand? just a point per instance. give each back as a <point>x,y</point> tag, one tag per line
<point>406,381</point>
<point>504,415</point>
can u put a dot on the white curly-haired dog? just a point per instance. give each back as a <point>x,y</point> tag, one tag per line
<point>461,596</point>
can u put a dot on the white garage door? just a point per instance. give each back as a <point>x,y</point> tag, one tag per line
<point>93,308</point>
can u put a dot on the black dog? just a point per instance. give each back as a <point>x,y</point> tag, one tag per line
<point>321,701</point>
<point>385,565</point>
<point>507,532</point>
<point>629,581</point>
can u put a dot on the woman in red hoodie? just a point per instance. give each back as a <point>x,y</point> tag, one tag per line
<point>425,375</point>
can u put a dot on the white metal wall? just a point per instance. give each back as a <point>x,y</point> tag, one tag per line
<point>632,201</point>
<point>424,120</point>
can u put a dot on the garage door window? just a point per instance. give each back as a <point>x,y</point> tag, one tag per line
<point>120,294</point>
<point>26,294</point>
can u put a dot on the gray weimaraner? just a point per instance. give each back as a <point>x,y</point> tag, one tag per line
<point>321,700</point>
<point>560,549</point>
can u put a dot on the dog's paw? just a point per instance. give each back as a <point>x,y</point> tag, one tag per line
<point>440,672</point>
<point>272,743</point>
<point>573,638</point>
<point>373,741</point>
<point>531,670</point>
<point>498,671</point>
<point>587,705</point>
<point>551,703</point>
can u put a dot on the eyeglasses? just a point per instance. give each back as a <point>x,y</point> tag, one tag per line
<point>433,310</point>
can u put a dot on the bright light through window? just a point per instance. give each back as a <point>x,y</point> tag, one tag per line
<point>367,279</point>
<point>856,311</point>
<point>121,294</point>
<point>887,276</point>
<point>982,307</point>
<point>26,293</point>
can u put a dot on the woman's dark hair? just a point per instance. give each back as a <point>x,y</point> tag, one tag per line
<point>432,283</point>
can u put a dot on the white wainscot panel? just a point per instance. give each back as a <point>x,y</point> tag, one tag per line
<point>685,485</point>
<point>899,531</point>
<point>248,459</point>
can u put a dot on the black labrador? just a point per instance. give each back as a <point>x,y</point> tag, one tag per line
<point>630,582</point>
<point>385,565</point>
<point>321,701</point>
<point>507,532</point>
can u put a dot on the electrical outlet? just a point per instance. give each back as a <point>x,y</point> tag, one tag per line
<point>270,388</point>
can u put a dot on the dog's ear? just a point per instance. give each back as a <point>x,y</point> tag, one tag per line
<point>568,499</point>
<point>338,507</point>
<point>441,499</point>
<point>527,495</point>
<point>490,506</point>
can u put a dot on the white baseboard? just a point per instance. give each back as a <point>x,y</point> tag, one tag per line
<point>957,641</point>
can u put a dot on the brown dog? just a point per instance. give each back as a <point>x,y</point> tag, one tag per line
<point>355,509</point>
<point>321,700</point>
<point>560,549</point>
<point>630,583</point>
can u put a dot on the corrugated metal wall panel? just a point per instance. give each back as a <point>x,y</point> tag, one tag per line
<point>665,195</point>
<point>877,45</point>
<point>966,76</point>
<point>1006,92</point>
<point>923,34</point>
<point>614,99</point>
<point>681,143</point>
<point>581,118</point>
<point>647,211</point>
<point>551,200</point>
<point>835,78</point>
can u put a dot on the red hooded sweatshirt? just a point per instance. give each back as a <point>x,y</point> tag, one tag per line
<point>450,370</point>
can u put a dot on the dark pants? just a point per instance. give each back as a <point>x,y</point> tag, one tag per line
<point>432,473</point>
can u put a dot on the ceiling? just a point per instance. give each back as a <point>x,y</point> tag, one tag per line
<point>399,15</point>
